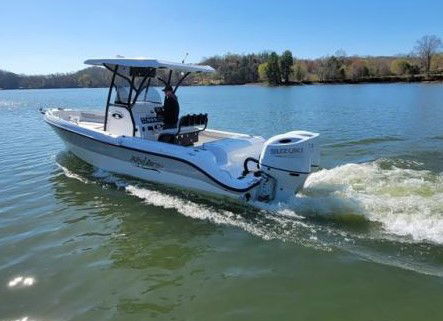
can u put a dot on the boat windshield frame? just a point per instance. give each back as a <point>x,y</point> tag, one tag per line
<point>146,74</point>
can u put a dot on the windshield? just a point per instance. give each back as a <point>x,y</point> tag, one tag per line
<point>151,95</point>
<point>142,90</point>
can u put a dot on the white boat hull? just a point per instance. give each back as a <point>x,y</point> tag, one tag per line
<point>182,176</point>
<point>212,168</point>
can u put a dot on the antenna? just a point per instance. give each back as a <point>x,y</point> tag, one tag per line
<point>186,56</point>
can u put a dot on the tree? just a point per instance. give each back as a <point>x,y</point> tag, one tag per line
<point>262,71</point>
<point>286,62</point>
<point>403,67</point>
<point>237,69</point>
<point>85,80</point>
<point>379,66</point>
<point>437,63</point>
<point>358,69</point>
<point>300,71</point>
<point>273,72</point>
<point>9,80</point>
<point>426,48</point>
<point>331,68</point>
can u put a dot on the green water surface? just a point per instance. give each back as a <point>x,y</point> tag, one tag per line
<point>363,241</point>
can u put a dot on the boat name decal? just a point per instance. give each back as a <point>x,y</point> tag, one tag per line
<point>285,152</point>
<point>145,163</point>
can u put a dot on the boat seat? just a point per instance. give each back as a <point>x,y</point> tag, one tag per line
<point>186,133</point>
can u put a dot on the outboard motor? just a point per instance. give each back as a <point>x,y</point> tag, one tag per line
<point>289,159</point>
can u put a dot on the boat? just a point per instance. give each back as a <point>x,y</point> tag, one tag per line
<point>130,138</point>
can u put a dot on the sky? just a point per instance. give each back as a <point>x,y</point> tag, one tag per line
<point>40,37</point>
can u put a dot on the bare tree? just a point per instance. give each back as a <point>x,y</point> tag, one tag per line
<point>426,48</point>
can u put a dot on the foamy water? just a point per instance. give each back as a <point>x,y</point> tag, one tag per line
<point>406,202</point>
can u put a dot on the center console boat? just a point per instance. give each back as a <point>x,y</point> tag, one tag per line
<point>130,138</point>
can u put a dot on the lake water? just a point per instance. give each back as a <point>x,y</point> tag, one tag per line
<point>363,241</point>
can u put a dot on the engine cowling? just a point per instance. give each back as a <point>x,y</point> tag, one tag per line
<point>289,158</point>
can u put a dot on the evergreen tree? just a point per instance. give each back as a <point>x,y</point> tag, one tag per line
<point>286,62</point>
<point>273,69</point>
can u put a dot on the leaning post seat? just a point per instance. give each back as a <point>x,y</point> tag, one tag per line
<point>188,128</point>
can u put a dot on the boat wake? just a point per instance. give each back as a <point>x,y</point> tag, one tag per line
<point>386,211</point>
<point>406,202</point>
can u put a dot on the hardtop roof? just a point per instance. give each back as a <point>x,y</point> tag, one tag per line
<point>149,63</point>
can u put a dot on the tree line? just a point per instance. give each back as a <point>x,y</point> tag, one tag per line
<point>424,63</point>
<point>89,77</point>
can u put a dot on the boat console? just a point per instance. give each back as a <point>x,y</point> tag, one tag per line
<point>145,119</point>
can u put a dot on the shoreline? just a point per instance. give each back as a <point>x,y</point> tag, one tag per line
<point>374,80</point>
<point>370,80</point>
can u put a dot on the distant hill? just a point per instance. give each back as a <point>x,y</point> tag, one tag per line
<point>89,77</point>
<point>92,77</point>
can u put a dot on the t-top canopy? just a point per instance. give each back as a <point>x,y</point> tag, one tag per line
<point>149,63</point>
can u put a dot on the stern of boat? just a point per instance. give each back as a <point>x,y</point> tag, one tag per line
<point>285,162</point>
